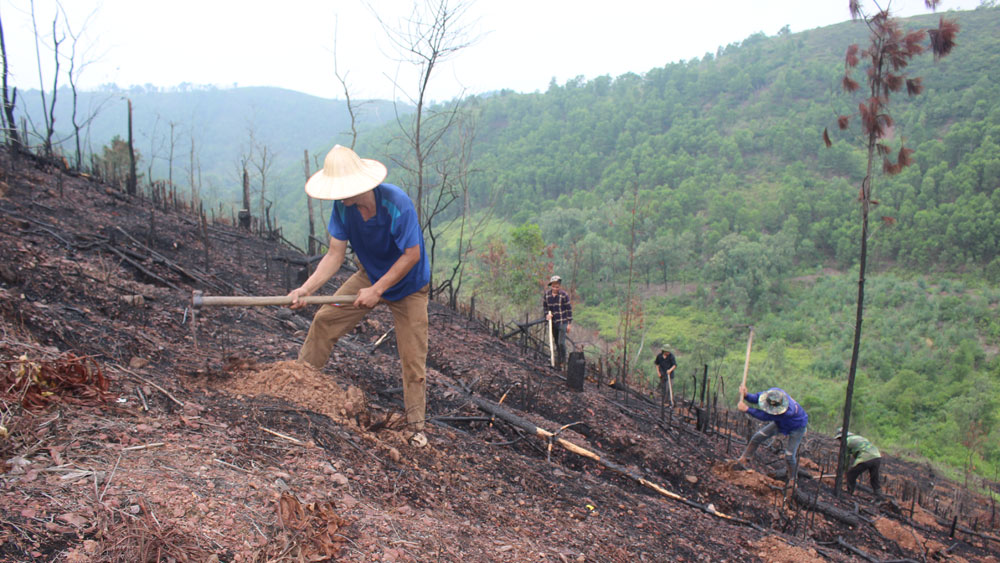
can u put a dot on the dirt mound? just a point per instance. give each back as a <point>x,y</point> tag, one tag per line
<point>302,385</point>
<point>906,537</point>
<point>925,518</point>
<point>758,484</point>
<point>776,550</point>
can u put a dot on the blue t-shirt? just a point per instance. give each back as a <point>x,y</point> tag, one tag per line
<point>789,421</point>
<point>381,240</point>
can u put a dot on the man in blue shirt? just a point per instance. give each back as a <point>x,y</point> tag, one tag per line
<point>783,415</point>
<point>380,223</point>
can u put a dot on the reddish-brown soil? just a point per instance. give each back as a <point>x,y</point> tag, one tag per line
<point>148,444</point>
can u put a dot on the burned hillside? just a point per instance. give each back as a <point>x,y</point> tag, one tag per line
<point>135,430</point>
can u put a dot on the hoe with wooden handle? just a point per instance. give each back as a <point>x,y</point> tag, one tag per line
<point>746,365</point>
<point>199,300</point>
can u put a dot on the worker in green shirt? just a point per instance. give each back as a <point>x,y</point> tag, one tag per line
<point>862,456</point>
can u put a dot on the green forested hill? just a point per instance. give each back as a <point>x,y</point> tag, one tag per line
<point>731,145</point>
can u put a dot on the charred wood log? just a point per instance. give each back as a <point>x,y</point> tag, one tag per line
<point>854,550</point>
<point>160,259</point>
<point>849,518</point>
<point>142,269</point>
<point>521,327</point>
<point>965,530</point>
<point>553,438</point>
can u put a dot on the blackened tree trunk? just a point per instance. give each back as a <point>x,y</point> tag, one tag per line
<point>889,53</point>
<point>312,222</point>
<point>245,217</point>
<point>130,186</point>
<point>859,317</point>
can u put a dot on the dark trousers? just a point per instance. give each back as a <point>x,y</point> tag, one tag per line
<point>872,467</point>
<point>559,336</point>
<point>663,382</point>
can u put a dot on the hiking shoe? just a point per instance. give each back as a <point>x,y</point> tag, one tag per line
<point>418,440</point>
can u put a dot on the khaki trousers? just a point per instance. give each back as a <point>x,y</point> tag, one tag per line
<point>410,317</point>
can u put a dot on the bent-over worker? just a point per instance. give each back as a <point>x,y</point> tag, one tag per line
<point>380,223</point>
<point>862,456</point>
<point>783,415</point>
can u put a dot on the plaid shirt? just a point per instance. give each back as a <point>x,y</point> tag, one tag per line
<point>558,304</point>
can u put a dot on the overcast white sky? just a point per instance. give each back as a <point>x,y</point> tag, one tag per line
<point>523,44</point>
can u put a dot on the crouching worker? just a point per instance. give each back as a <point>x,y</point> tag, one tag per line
<point>380,223</point>
<point>783,415</point>
<point>862,456</point>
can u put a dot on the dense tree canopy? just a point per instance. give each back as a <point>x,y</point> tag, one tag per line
<point>730,144</point>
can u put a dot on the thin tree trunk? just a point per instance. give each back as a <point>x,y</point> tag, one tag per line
<point>855,349</point>
<point>170,160</point>
<point>246,218</point>
<point>131,186</point>
<point>76,127</point>
<point>10,125</point>
<point>51,121</point>
<point>312,222</point>
<point>194,190</point>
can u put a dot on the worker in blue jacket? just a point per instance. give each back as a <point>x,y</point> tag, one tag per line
<point>783,415</point>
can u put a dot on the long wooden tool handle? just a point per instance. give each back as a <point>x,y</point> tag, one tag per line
<point>746,366</point>
<point>670,386</point>
<point>261,301</point>
<point>552,345</point>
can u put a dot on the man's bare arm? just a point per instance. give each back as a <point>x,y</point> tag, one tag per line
<point>327,267</point>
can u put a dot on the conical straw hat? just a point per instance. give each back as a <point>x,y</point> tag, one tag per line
<point>345,175</point>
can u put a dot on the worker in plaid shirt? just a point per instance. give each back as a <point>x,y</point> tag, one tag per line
<point>558,309</point>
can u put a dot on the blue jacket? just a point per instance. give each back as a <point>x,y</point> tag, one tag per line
<point>789,421</point>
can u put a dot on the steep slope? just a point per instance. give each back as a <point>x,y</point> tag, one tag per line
<point>131,435</point>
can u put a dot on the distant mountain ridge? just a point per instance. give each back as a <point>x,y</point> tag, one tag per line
<point>220,120</point>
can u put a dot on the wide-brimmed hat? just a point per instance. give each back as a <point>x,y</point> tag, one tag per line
<point>554,279</point>
<point>345,175</point>
<point>773,401</point>
<point>840,433</point>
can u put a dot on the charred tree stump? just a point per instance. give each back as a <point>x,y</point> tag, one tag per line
<point>245,217</point>
<point>204,235</point>
<point>704,385</point>
<point>132,182</point>
<point>701,419</point>
<point>576,369</point>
